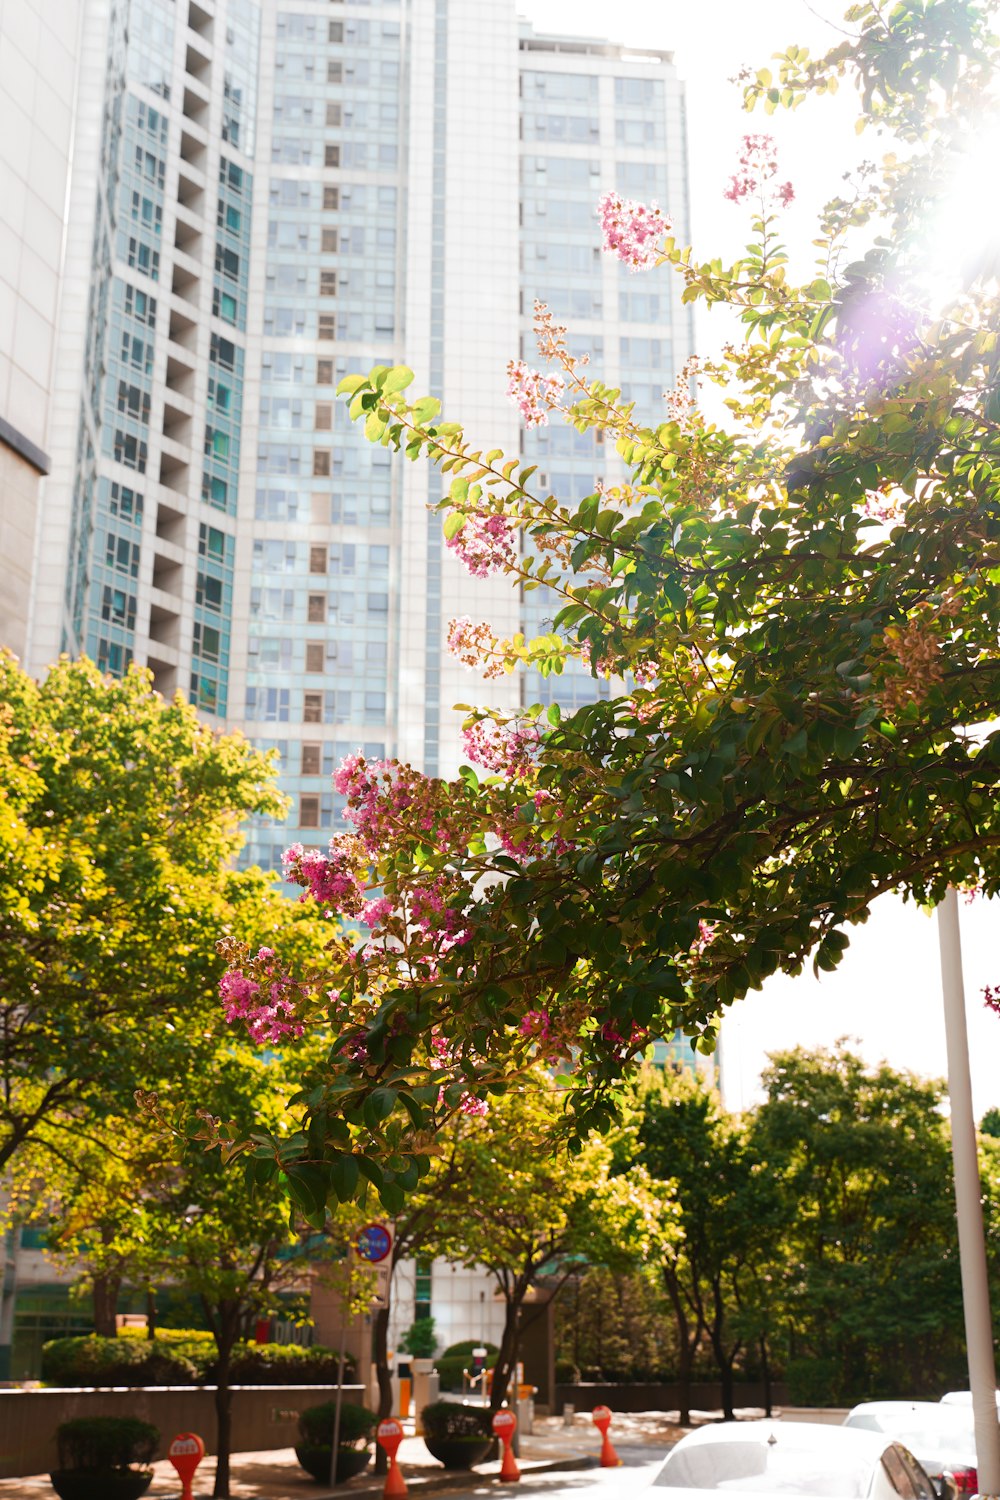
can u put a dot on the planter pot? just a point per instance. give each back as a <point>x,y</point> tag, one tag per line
<point>458,1453</point>
<point>101,1484</point>
<point>422,1366</point>
<point>316,1461</point>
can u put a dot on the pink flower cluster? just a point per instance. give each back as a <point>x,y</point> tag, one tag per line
<point>375,913</point>
<point>475,645</point>
<point>429,910</point>
<point>991,998</point>
<point>468,1104</point>
<point>758,165</point>
<point>334,880</point>
<point>621,1046</point>
<point>882,506</point>
<point>537,1024</point>
<point>267,1009</point>
<point>505,748</point>
<point>484,543</point>
<point>533,393</point>
<point>631,230</point>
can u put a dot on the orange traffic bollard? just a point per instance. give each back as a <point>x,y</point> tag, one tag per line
<point>185,1453</point>
<point>389,1435</point>
<point>602,1421</point>
<point>504,1427</point>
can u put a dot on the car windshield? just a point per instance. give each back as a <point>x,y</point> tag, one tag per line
<point>767,1469</point>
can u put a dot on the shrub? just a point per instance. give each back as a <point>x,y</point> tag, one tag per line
<point>419,1339</point>
<point>98,1361</point>
<point>102,1443</point>
<point>452,1421</point>
<point>356,1425</point>
<point>184,1357</point>
<point>458,1357</point>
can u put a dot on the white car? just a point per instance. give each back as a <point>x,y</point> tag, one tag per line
<point>939,1435</point>
<point>962,1398</point>
<point>793,1458</point>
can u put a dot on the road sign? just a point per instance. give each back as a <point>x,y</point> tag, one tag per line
<point>374,1243</point>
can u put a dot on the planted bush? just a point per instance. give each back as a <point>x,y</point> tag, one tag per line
<point>315,1445</point>
<point>91,1360</point>
<point>184,1357</point>
<point>458,1357</point>
<point>97,1457</point>
<point>457,1435</point>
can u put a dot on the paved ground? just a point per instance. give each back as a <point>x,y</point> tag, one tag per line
<point>555,1461</point>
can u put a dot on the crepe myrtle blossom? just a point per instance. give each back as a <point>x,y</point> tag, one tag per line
<point>334,879</point>
<point>267,1006</point>
<point>631,230</point>
<point>484,543</point>
<point>533,392</point>
<point>758,166</point>
<point>505,748</point>
<point>991,998</point>
<point>445,1057</point>
<point>475,645</point>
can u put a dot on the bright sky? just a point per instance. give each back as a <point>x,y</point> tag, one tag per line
<point>887,992</point>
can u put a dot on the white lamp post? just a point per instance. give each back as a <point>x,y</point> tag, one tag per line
<point>968,1204</point>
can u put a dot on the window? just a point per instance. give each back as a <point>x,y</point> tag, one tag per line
<point>311,760</point>
<point>333,114</point>
<point>335,72</point>
<point>309,812</point>
<point>327,327</point>
<point>336,31</point>
<point>315,656</point>
<point>324,416</point>
<point>328,242</point>
<point>321,461</point>
<point>331,156</point>
<point>316,612</point>
<point>312,708</point>
<point>317,559</point>
<point>328,283</point>
<point>331,198</point>
<point>324,372</point>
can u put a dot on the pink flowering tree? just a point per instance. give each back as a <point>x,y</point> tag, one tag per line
<point>798,610</point>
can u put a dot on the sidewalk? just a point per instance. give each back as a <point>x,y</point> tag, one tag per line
<point>276,1475</point>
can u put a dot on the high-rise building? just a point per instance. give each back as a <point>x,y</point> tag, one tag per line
<point>38,57</point>
<point>264,196</point>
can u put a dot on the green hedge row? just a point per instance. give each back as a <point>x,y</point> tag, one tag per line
<point>190,1360</point>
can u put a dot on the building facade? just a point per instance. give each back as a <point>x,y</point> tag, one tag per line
<point>264,196</point>
<point>39,48</point>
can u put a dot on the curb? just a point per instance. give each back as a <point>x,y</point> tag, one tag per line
<point>436,1482</point>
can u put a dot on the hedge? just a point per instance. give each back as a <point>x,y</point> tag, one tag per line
<point>184,1357</point>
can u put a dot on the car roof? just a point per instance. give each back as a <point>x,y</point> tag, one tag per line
<point>895,1408</point>
<point>791,1434</point>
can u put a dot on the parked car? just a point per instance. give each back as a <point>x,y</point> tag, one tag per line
<point>794,1458</point>
<point>962,1398</point>
<point>939,1435</point>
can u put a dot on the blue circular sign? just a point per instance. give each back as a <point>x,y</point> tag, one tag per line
<point>374,1243</point>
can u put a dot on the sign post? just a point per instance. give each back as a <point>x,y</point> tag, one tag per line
<point>389,1435</point>
<point>602,1421</point>
<point>185,1453</point>
<point>504,1427</point>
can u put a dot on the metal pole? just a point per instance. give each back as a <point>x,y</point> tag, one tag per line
<point>336,1406</point>
<point>968,1204</point>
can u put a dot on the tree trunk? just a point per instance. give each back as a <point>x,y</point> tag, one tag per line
<point>765,1370</point>
<point>380,1354</point>
<point>225,1325</point>
<point>151,1315</point>
<point>106,1289</point>
<point>724,1359</point>
<point>506,1364</point>
<point>687,1343</point>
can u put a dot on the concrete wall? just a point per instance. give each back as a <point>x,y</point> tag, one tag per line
<point>705,1396</point>
<point>264,1417</point>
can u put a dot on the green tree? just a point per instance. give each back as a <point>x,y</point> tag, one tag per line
<point>803,601</point>
<point>729,1215</point>
<point>871,1291</point>
<point>531,1215</point>
<point>119,819</point>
